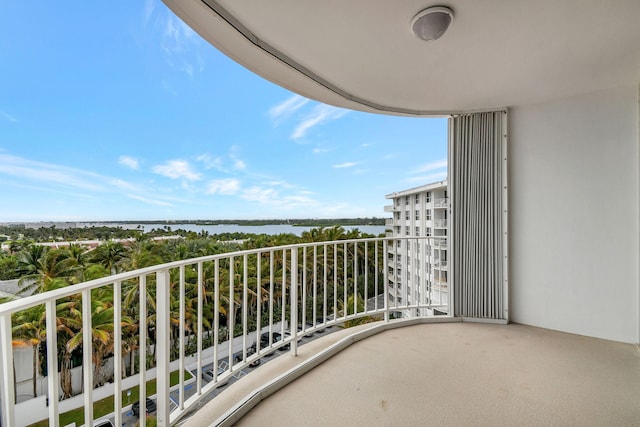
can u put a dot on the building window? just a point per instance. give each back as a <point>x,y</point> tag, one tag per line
<point>417,198</point>
<point>398,216</point>
<point>427,232</point>
<point>417,215</point>
<point>406,215</point>
<point>427,197</point>
<point>417,231</point>
<point>427,214</point>
<point>406,200</point>
<point>407,231</point>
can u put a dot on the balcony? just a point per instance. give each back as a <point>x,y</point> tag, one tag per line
<point>389,222</point>
<point>440,265</point>
<point>441,203</point>
<point>464,373</point>
<point>524,364</point>
<point>440,243</point>
<point>248,305</point>
<point>440,223</point>
<point>391,208</point>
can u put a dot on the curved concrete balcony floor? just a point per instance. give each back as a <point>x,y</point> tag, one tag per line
<point>454,374</point>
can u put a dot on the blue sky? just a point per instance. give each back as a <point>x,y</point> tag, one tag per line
<point>119,111</point>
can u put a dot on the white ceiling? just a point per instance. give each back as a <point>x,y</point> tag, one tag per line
<point>361,54</point>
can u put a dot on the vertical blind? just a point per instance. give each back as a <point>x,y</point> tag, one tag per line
<point>478,219</point>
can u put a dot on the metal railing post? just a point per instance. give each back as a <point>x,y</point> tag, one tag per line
<point>163,303</point>
<point>6,360</point>
<point>294,302</point>
<point>52,360</point>
<point>87,352</point>
<point>385,266</point>
<point>117,353</point>
<point>142,346</point>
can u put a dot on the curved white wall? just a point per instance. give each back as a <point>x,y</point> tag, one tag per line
<point>574,194</point>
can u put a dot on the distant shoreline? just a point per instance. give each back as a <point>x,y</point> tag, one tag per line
<point>308,222</point>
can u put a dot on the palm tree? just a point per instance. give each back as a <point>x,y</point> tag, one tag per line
<point>78,257</point>
<point>109,255</point>
<point>40,265</point>
<point>140,255</point>
<point>101,330</point>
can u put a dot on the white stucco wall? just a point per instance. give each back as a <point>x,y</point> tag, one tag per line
<point>574,215</point>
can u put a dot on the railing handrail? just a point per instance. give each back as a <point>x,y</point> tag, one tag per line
<point>33,300</point>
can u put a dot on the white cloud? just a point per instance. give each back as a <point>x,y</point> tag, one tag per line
<point>272,197</point>
<point>439,164</point>
<point>298,200</point>
<point>49,173</point>
<point>320,150</point>
<point>149,201</point>
<point>280,183</point>
<point>177,169</point>
<point>210,162</point>
<point>176,35</point>
<point>286,108</point>
<point>129,162</point>
<point>181,45</point>
<point>223,186</point>
<point>320,114</point>
<point>8,116</point>
<point>124,185</point>
<point>239,164</point>
<point>149,6</point>
<point>345,165</point>
<point>259,194</point>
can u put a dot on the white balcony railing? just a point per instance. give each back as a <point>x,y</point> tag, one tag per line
<point>154,312</point>
<point>441,265</point>
<point>441,223</point>
<point>441,203</point>
<point>441,243</point>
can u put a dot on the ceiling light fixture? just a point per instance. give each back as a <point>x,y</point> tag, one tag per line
<point>432,23</point>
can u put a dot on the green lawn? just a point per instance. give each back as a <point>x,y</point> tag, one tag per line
<point>105,406</point>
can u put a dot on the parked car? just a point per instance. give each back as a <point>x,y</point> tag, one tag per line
<point>150,406</point>
<point>208,374</point>
<point>277,336</point>
<point>237,358</point>
<point>103,423</point>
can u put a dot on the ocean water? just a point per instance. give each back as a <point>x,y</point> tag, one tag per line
<point>258,229</point>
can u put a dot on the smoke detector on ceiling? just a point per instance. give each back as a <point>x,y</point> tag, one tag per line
<point>432,23</point>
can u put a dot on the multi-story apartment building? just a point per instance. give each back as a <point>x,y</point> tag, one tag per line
<point>418,212</point>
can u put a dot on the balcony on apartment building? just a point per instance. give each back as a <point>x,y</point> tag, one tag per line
<point>513,73</point>
<point>270,299</point>
<point>440,223</point>
<point>343,362</point>
<point>539,110</point>
<point>441,203</point>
